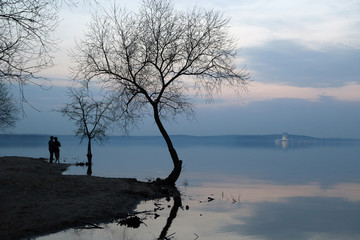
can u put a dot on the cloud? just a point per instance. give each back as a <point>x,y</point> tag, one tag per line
<point>316,24</point>
<point>326,117</point>
<point>262,92</point>
<point>290,63</point>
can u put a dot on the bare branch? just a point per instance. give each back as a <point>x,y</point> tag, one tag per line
<point>8,108</point>
<point>25,37</point>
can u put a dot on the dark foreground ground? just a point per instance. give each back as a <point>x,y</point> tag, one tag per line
<point>36,199</point>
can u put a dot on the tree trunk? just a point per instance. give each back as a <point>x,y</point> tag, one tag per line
<point>174,175</point>
<point>89,157</point>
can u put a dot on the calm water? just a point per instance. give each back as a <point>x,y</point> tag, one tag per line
<point>260,191</point>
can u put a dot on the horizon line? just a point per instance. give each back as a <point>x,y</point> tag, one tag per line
<point>187,135</point>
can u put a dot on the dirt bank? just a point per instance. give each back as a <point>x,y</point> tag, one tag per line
<point>35,198</point>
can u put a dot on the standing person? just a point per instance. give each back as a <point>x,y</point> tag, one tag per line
<point>51,148</point>
<point>57,146</point>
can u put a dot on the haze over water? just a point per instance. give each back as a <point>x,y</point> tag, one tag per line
<point>235,187</point>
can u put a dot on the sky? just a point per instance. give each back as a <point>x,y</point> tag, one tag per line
<point>303,56</point>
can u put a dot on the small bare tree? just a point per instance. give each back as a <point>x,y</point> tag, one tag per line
<point>159,56</point>
<point>8,108</point>
<point>91,116</point>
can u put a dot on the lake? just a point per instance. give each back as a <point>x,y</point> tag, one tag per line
<point>233,187</point>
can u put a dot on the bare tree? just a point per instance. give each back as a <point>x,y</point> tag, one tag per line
<point>158,57</point>
<point>91,116</point>
<point>26,44</point>
<point>8,108</point>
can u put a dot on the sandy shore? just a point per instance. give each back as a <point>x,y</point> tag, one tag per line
<point>35,198</point>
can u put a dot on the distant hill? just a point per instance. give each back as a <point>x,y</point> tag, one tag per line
<point>268,137</point>
<point>260,140</point>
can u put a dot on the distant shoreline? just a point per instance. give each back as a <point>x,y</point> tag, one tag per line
<point>258,136</point>
<point>36,199</point>
<point>265,137</point>
<point>265,141</point>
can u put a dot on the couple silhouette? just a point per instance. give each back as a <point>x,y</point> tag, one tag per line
<point>54,148</point>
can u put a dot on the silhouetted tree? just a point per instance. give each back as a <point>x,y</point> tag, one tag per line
<point>26,43</point>
<point>8,108</point>
<point>91,116</point>
<point>157,57</point>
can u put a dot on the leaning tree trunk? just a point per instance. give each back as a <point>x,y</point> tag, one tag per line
<point>175,173</point>
<point>89,157</point>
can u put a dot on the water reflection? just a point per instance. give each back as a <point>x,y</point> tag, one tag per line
<point>259,191</point>
<point>270,211</point>
<point>301,218</point>
<point>172,216</point>
<point>243,209</point>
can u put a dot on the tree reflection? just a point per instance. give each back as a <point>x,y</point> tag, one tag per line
<point>133,221</point>
<point>172,216</point>
<point>87,165</point>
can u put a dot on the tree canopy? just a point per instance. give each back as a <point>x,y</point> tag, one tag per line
<point>156,58</point>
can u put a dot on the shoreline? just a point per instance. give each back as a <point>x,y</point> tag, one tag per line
<point>37,199</point>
